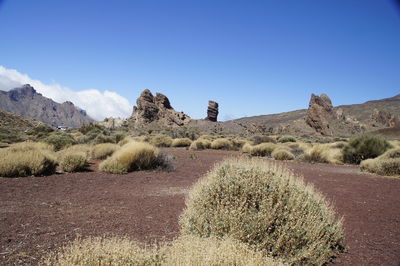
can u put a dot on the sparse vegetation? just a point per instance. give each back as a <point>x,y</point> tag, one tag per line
<point>161,141</point>
<point>135,156</point>
<point>200,144</point>
<point>263,149</point>
<point>258,139</point>
<point>181,142</point>
<point>364,147</point>
<point>101,251</point>
<point>30,146</point>
<point>282,154</point>
<point>103,150</point>
<point>285,139</point>
<point>266,207</point>
<point>221,144</point>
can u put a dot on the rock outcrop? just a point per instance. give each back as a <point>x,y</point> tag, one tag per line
<point>112,122</point>
<point>319,110</point>
<point>27,102</point>
<point>383,118</point>
<point>156,109</point>
<point>212,111</point>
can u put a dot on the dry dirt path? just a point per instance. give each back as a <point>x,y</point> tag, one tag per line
<point>41,214</point>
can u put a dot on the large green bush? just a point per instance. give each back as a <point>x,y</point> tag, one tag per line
<point>266,207</point>
<point>364,147</point>
<point>60,140</point>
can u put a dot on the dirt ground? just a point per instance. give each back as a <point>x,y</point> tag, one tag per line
<point>39,214</point>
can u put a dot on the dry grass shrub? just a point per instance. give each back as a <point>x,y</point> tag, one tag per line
<point>200,144</point>
<point>29,146</point>
<point>263,149</point>
<point>247,148</point>
<point>258,139</point>
<point>101,252</point>
<point>221,144</point>
<point>323,153</point>
<point>135,156</point>
<point>395,143</point>
<point>186,250</point>
<point>161,141</point>
<point>386,164</point>
<point>267,207</point>
<point>238,143</point>
<point>192,250</point>
<point>85,148</point>
<point>73,161</point>
<point>282,154</point>
<point>103,150</point>
<point>284,139</point>
<point>26,162</point>
<point>181,142</point>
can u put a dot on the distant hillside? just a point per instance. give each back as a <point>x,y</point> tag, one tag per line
<point>342,120</point>
<point>15,128</point>
<point>25,101</point>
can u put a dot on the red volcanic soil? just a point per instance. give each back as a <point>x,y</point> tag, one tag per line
<point>39,214</point>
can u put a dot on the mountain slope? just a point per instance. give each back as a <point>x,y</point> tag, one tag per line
<point>15,128</point>
<point>25,101</point>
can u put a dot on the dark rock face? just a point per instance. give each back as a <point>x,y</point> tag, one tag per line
<point>25,101</point>
<point>319,108</point>
<point>212,111</point>
<point>156,109</point>
<point>383,118</point>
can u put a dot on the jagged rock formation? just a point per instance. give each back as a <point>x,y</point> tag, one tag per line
<point>383,118</point>
<point>156,109</point>
<point>25,101</point>
<point>112,122</point>
<point>319,109</point>
<point>212,111</point>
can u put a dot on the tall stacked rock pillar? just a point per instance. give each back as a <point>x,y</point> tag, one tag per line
<point>212,111</point>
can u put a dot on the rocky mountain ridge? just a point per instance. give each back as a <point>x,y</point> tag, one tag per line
<point>27,102</point>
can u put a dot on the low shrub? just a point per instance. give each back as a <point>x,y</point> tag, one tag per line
<point>284,139</point>
<point>181,142</point>
<point>186,250</point>
<point>247,148</point>
<point>73,161</point>
<point>85,148</point>
<point>161,141</point>
<point>221,144</point>
<point>60,140</point>
<point>191,250</point>
<point>26,163</point>
<point>364,147</point>
<point>135,156</point>
<point>258,139</point>
<point>322,153</point>
<point>263,149</point>
<point>386,164</point>
<point>382,166</point>
<point>103,139</point>
<point>200,144</point>
<point>103,150</point>
<point>101,251</point>
<point>30,146</point>
<point>282,154</point>
<point>265,206</point>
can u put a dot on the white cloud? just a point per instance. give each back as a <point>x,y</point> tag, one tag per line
<point>97,104</point>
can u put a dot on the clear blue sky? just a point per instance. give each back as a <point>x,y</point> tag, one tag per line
<point>253,57</point>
